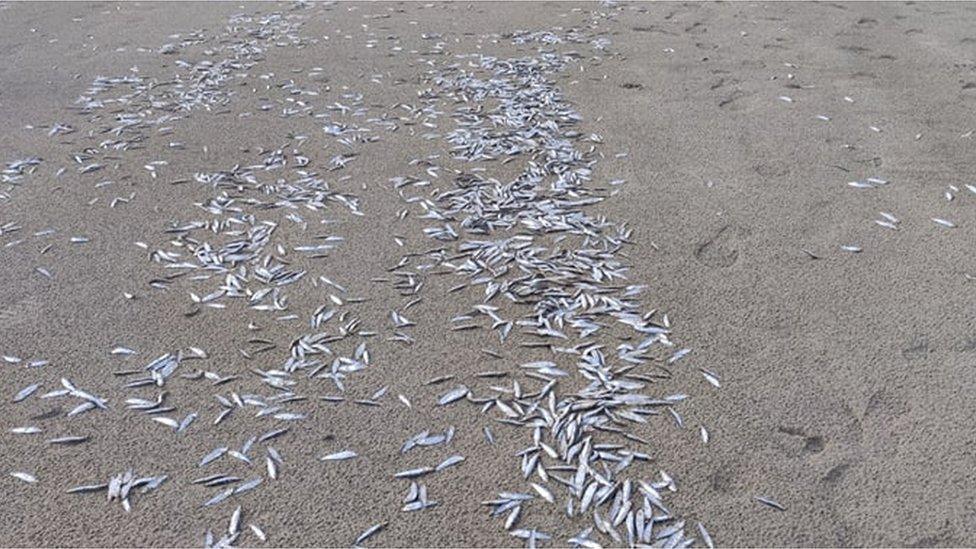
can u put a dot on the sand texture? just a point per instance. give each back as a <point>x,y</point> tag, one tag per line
<point>524,274</point>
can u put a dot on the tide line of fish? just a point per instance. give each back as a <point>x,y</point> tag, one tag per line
<point>530,250</point>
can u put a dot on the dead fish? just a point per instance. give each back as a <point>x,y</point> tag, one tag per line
<point>219,497</point>
<point>26,477</point>
<point>770,503</point>
<point>453,396</point>
<point>707,539</point>
<point>87,488</point>
<point>186,421</point>
<point>258,532</point>
<point>339,456</point>
<point>369,532</point>
<point>248,486</point>
<point>272,434</point>
<point>439,379</point>
<point>543,492</point>
<point>272,467</point>
<point>678,355</point>
<point>169,422</point>
<point>68,440</point>
<point>413,473</point>
<point>453,460</point>
<point>213,455</point>
<point>26,392</point>
<point>711,378</point>
<point>235,522</point>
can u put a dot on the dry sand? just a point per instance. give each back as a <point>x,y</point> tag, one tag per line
<point>846,380</point>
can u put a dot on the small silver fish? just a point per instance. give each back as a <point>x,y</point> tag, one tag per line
<point>26,477</point>
<point>369,532</point>
<point>453,396</point>
<point>770,503</point>
<point>26,392</point>
<point>339,456</point>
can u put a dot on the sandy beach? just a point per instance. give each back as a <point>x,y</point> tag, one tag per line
<point>487,274</point>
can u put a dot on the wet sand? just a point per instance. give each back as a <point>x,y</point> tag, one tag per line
<point>845,379</point>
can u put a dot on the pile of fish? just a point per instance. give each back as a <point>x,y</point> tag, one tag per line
<point>120,487</point>
<point>529,246</point>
